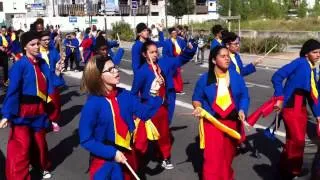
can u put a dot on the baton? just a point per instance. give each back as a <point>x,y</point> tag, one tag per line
<point>131,170</point>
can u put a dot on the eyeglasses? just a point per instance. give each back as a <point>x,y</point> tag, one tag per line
<point>113,69</point>
<point>45,39</point>
<point>235,43</point>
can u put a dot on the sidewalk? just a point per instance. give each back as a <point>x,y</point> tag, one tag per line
<point>273,61</point>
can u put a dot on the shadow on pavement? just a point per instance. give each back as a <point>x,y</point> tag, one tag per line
<point>64,149</point>
<point>2,165</point>
<point>195,156</point>
<point>259,144</point>
<point>65,98</point>
<point>177,128</point>
<point>68,115</point>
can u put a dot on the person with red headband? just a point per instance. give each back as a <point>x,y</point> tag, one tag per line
<point>25,107</point>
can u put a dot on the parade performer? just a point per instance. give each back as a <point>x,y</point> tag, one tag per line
<point>15,46</point>
<point>143,34</point>
<point>25,108</point>
<point>86,47</point>
<point>222,93</point>
<point>4,44</point>
<point>290,99</point>
<point>217,33</point>
<point>173,48</point>
<point>106,123</point>
<point>103,49</point>
<point>232,42</point>
<point>51,57</point>
<point>152,67</point>
<point>72,52</point>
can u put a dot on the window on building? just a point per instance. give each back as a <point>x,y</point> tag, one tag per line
<point>154,2</point>
<point>73,1</point>
<point>123,2</point>
<point>154,13</point>
<point>1,6</point>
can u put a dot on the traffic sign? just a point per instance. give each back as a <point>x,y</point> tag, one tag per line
<point>134,4</point>
<point>73,19</point>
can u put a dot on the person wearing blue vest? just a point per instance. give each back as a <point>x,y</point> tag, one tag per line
<point>16,51</point>
<point>155,70</point>
<point>300,86</point>
<point>173,47</point>
<point>216,31</point>
<point>25,107</point>
<point>223,94</point>
<point>143,34</point>
<point>106,124</point>
<point>232,42</point>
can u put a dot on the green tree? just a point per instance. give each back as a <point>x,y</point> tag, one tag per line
<point>302,9</point>
<point>178,8</point>
<point>316,8</point>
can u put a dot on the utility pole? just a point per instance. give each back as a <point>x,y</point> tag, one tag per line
<point>166,12</point>
<point>229,14</point>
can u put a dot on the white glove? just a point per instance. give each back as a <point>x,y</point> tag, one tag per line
<point>155,86</point>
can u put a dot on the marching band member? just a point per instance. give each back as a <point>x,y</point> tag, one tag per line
<point>143,34</point>
<point>173,48</point>
<point>223,94</point>
<point>291,98</point>
<point>106,123</point>
<point>25,107</point>
<point>160,69</point>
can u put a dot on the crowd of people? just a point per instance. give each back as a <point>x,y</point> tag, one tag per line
<point>116,124</point>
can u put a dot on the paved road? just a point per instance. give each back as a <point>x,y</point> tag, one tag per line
<point>70,161</point>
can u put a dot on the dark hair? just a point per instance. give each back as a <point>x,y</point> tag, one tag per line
<point>309,46</point>
<point>212,56</point>
<point>87,31</point>
<point>229,37</point>
<point>144,49</point>
<point>216,29</point>
<point>44,33</point>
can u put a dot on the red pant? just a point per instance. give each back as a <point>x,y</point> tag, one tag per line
<point>178,81</point>
<point>295,121</point>
<point>161,121</point>
<point>24,147</point>
<point>219,152</point>
<point>96,163</point>
<point>54,107</point>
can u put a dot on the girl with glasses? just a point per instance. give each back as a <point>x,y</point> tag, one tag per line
<point>106,124</point>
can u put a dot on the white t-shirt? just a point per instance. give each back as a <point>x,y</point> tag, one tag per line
<point>154,34</point>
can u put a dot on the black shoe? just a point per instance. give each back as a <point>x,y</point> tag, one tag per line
<point>167,164</point>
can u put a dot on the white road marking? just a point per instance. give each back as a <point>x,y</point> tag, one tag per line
<point>78,75</point>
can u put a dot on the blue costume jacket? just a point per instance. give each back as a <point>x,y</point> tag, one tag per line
<point>96,126</point>
<point>215,43</point>
<point>167,50</point>
<point>298,76</point>
<point>244,70</point>
<point>23,82</point>
<point>206,93</point>
<point>144,77</point>
<point>136,51</point>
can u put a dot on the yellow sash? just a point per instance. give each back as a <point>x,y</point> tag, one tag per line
<point>176,45</point>
<point>233,59</point>
<point>44,55</point>
<point>119,140</point>
<point>217,124</point>
<point>151,129</point>
<point>4,41</point>
<point>314,91</point>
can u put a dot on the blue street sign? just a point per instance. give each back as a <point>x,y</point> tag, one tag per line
<point>73,19</point>
<point>134,4</point>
